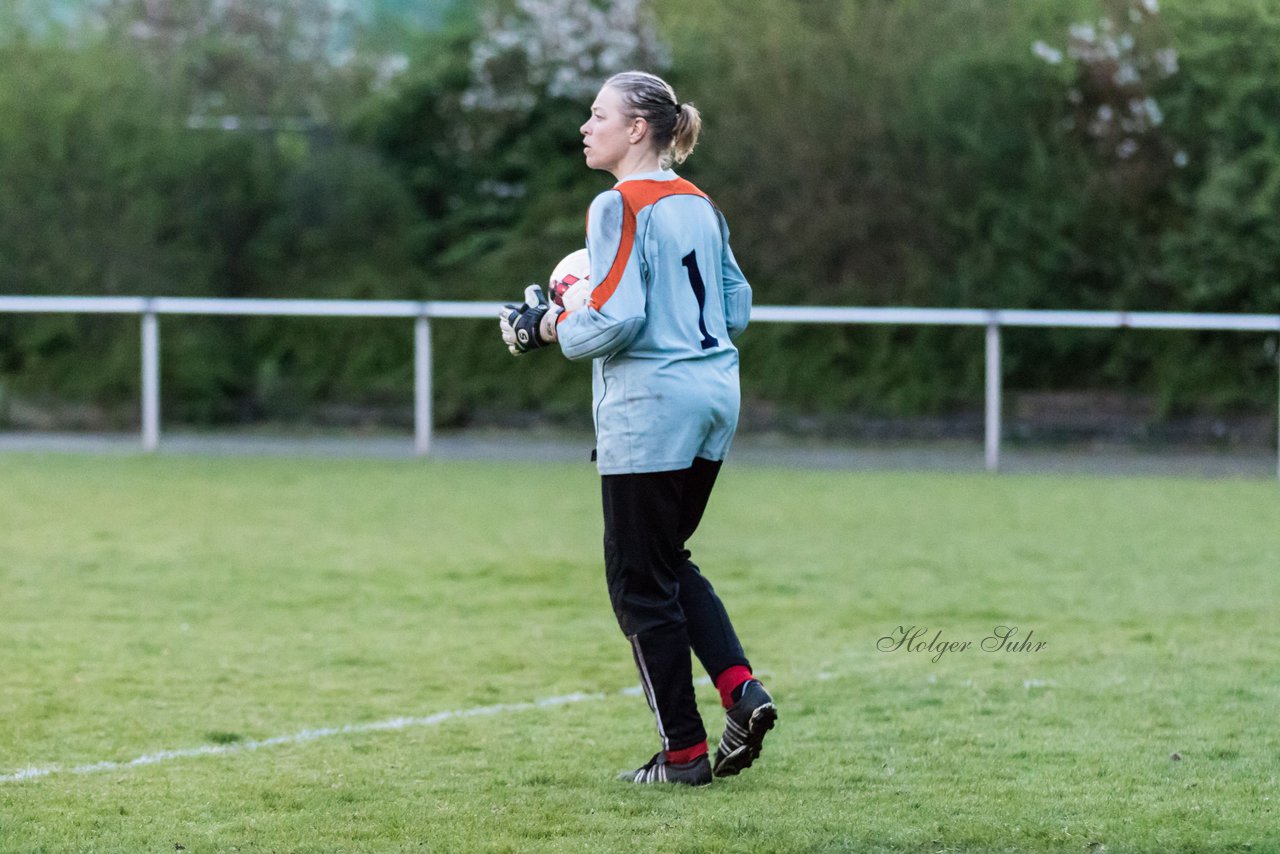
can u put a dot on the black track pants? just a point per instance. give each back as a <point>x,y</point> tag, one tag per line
<point>663,603</point>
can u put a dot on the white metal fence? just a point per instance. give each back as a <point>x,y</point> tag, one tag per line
<point>422,313</point>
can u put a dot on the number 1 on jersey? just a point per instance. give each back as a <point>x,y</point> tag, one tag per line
<point>690,263</point>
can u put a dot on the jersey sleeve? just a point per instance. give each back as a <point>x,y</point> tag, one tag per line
<point>613,315</point>
<point>737,292</point>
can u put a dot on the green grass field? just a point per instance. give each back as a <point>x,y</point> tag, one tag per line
<point>172,604</point>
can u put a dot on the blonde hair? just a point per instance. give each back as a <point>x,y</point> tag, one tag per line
<point>674,126</point>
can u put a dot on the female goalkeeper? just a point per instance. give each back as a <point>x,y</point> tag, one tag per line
<point>658,327</point>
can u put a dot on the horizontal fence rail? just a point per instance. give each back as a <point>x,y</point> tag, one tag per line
<point>422,312</point>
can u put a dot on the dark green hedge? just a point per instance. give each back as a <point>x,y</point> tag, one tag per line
<point>865,153</point>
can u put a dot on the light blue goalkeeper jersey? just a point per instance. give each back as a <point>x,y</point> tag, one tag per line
<point>659,326</point>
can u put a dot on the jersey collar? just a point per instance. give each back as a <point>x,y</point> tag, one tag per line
<point>659,175</point>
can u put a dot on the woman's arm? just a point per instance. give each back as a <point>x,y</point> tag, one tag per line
<point>737,292</point>
<point>612,317</point>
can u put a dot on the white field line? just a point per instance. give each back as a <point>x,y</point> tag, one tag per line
<point>308,735</point>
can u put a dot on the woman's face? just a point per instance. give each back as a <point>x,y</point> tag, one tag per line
<point>606,137</point>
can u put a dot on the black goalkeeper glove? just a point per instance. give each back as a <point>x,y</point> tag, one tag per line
<point>529,326</point>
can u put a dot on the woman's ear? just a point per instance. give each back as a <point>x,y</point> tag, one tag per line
<point>639,130</point>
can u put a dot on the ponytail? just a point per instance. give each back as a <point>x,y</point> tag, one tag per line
<point>685,135</point>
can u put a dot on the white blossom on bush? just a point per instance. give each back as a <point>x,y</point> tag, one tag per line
<point>1116,66</point>
<point>1049,54</point>
<point>253,56</point>
<point>560,49</point>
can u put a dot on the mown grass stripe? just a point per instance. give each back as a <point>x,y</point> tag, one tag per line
<point>306,735</point>
<point>302,737</point>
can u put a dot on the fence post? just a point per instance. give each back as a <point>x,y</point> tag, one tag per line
<point>993,393</point>
<point>150,379</point>
<point>422,384</point>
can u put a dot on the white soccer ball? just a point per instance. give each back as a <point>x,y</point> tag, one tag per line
<point>570,285</point>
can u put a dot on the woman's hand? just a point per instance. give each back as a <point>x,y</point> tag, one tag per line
<point>529,326</point>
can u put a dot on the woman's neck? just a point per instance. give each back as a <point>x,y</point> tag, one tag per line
<point>636,162</point>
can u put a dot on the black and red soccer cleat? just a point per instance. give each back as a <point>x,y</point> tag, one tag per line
<point>745,725</point>
<point>696,772</point>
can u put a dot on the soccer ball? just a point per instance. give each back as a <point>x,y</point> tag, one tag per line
<point>570,284</point>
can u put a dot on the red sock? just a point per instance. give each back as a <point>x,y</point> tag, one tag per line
<point>730,679</point>
<point>679,757</point>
